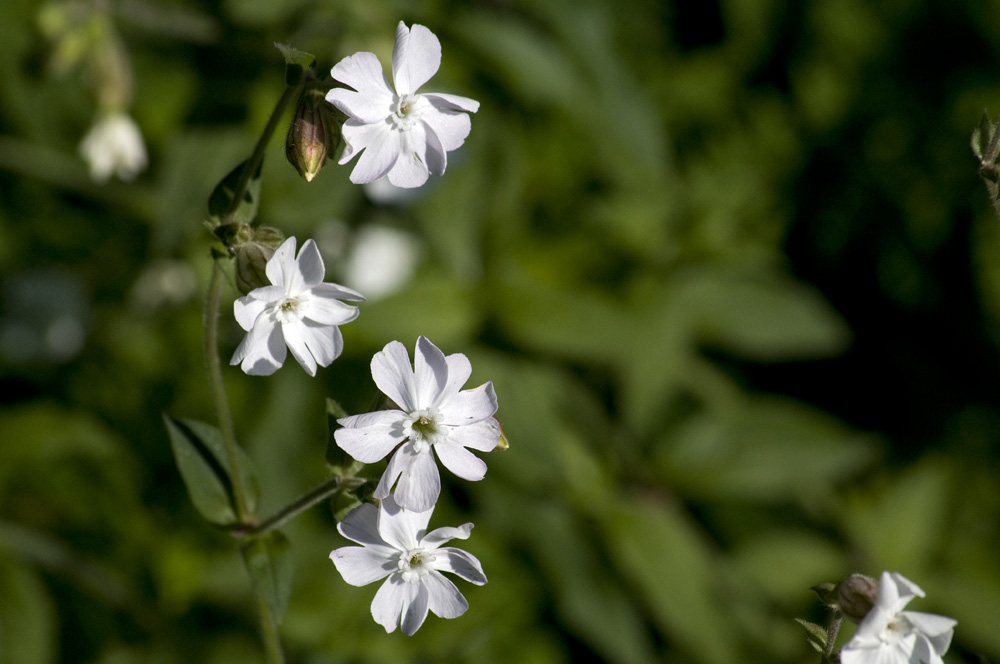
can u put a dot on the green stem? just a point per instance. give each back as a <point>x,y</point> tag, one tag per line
<point>269,632</point>
<point>218,390</point>
<point>291,92</point>
<point>304,502</point>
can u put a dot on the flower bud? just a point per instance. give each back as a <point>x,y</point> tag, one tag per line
<point>252,248</point>
<point>313,134</point>
<point>856,596</point>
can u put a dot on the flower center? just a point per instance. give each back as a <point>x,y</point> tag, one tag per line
<point>414,564</point>
<point>287,310</point>
<point>896,629</point>
<point>422,428</point>
<point>404,114</point>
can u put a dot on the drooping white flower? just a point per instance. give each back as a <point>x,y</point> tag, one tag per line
<point>890,635</point>
<point>434,414</point>
<point>398,132</point>
<point>297,311</point>
<point>114,145</point>
<point>395,543</point>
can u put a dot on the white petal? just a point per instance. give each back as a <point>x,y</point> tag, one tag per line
<point>393,375</point>
<point>439,536</point>
<point>897,590</point>
<point>443,597</point>
<point>360,565</point>
<point>445,102</point>
<point>450,128</point>
<point>324,342</point>
<point>262,351</point>
<point>435,156</point>
<point>389,601</point>
<point>430,372</point>
<point>419,483</point>
<point>409,171</point>
<point>937,629</point>
<point>382,148</point>
<point>361,525</point>
<point>461,563</point>
<point>469,406</point>
<point>401,528</point>
<point>247,309</point>
<point>460,461</point>
<point>295,339</point>
<point>415,606</point>
<point>416,57</point>
<point>331,291</point>
<point>370,437</point>
<point>281,266</point>
<point>459,370</point>
<point>482,436</point>
<point>363,72</point>
<point>310,269</point>
<point>327,311</point>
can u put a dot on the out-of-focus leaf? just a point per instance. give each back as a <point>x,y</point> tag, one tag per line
<point>269,561</point>
<point>27,618</point>
<point>762,318</point>
<point>671,568</point>
<point>766,449</point>
<point>201,458</point>
<point>222,195</point>
<point>783,564</point>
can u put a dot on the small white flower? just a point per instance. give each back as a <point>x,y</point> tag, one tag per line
<point>114,146</point>
<point>395,543</point>
<point>435,413</point>
<point>889,635</point>
<point>298,311</point>
<point>402,134</point>
<point>381,261</point>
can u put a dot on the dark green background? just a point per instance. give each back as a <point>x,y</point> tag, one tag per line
<point>728,264</point>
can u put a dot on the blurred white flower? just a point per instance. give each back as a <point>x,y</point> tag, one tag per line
<point>381,260</point>
<point>435,414</point>
<point>114,146</point>
<point>395,543</point>
<point>298,311</point>
<point>890,635</point>
<point>398,132</point>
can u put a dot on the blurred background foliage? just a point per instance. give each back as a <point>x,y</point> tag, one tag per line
<point>727,263</point>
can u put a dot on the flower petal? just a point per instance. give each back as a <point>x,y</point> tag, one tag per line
<point>309,271</point>
<point>401,528</point>
<point>443,597</point>
<point>381,148</point>
<point>460,461</point>
<point>389,601</point>
<point>393,375</point>
<point>262,351</point>
<point>330,291</point>
<point>414,608</point>
<point>371,436</point>
<point>247,309</point>
<point>482,436</point>
<point>281,265</point>
<point>324,342</point>
<point>937,629</point>
<point>361,525</point>
<point>460,563</point>
<point>363,72</point>
<point>451,127</point>
<point>419,480</point>
<point>445,102</point>
<point>435,156</point>
<point>327,311</point>
<point>361,565</point>
<point>416,57</point>
<point>430,373</point>
<point>469,406</point>
<point>295,338</point>
<point>439,536</point>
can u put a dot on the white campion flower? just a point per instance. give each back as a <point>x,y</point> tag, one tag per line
<point>890,635</point>
<point>434,414</point>
<point>398,132</point>
<point>114,145</point>
<point>297,311</point>
<point>395,543</point>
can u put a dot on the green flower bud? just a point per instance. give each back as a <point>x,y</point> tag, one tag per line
<point>313,134</point>
<point>252,248</point>
<point>856,596</point>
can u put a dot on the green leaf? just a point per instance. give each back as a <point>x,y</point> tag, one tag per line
<point>269,561</point>
<point>816,632</point>
<point>222,196</point>
<point>296,63</point>
<point>27,617</point>
<point>204,466</point>
<point>982,136</point>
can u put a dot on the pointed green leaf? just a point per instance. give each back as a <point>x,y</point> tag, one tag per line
<point>204,466</point>
<point>27,617</point>
<point>981,136</point>
<point>296,63</point>
<point>222,195</point>
<point>817,632</point>
<point>269,561</point>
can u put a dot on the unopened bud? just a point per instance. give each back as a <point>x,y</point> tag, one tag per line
<point>856,595</point>
<point>252,248</point>
<point>313,135</point>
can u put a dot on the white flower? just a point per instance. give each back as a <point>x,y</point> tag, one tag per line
<point>381,260</point>
<point>395,543</point>
<point>297,310</point>
<point>114,146</point>
<point>402,133</point>
<point>434,414</point>
<point>889,635</point>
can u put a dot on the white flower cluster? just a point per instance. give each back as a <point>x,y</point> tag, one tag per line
<point>404,136</point>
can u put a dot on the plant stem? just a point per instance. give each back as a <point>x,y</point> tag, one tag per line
<point>218,390</point>
<point>290,93</point>
<point>269,632</point>
<point>304,502</point>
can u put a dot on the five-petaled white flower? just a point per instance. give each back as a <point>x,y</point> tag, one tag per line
<point>298,311</point>
<point>402,134</point>
<point>395,543</point>
<point>889,635</point>
<point>435,413</point>
<point>114,146</point>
